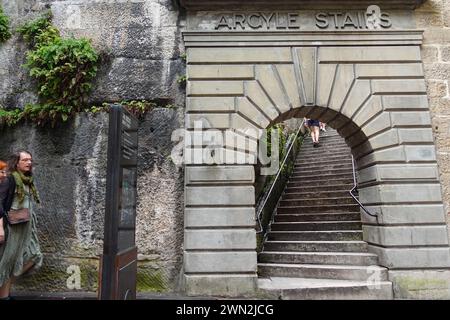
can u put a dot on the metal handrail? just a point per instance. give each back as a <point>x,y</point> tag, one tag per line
<point>261,209</point>
<point>355,187</point>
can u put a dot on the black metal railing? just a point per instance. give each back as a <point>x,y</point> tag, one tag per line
<point>263,230</point>
<point>355,188</point>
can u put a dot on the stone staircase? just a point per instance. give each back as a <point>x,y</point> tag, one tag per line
<point>314,248</point>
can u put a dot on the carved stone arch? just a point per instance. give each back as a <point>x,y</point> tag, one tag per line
<point>370,87</point>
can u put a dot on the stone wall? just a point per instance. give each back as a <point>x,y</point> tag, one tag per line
<point>140,41</point>
<point>434,18</point>
<point>70,169</point>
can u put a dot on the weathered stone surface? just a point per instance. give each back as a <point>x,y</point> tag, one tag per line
<point>400,214</point>
<point>238,195</point>
<point>269,81</point>
<point>210,104</point>
<point>405,193</point>
<point>135,79</point>
<point>430,53</point>
<point>398,173</point>
<point>441,130</point>
<point>372,108</point>
<point>391,70</point>
<point>398,86</point>
<point>160,200</point>
<point>406,258</point>
<point>231,174</point>
<point>239,55</point>
<point>367,54</point>
<point>219,217</point>
<point>222,72</point>
<point>437,88</point>
<point>215,88</point>
<point>406,236</point>
<point>254,92</point>
<point>220,239</point>
<point>437,71</point>
<point>445,54</point>
<point>221,285</point>
<point>405,102</point>
<point>141,41</point>
<point>421,284</point>
<point>70,219</point>
<point>239,261</point>
<point>342,84</point>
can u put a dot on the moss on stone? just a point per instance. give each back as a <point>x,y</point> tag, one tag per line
<point>422,283</point>
<point>422,288</point>
<point>150,281</point>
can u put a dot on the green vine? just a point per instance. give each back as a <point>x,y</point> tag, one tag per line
<point>138,108</point>
<point>5,34</point>
<point>63,69</point>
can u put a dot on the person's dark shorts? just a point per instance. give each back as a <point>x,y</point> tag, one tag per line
<point>313,123</point>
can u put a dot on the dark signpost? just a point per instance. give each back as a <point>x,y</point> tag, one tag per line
<point>118,266</point>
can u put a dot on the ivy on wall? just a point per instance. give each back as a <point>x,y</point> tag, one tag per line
<point>5,34</point>
<point>63,68</point>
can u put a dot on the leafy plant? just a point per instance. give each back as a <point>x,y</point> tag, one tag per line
<point>139,108</point>
<point>42,114</point>
<point>39,32</point>
<point>63,68</point>
<point>10,117</point>
<point>182,79</point>
<point>5,34</point>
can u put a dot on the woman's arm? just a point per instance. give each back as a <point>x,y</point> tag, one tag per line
<point>4,187</point>
<point>2,232</point>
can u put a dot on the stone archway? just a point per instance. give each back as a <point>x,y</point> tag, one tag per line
<point>369,85</point>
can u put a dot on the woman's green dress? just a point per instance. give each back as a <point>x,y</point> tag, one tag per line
<point>21,243</point>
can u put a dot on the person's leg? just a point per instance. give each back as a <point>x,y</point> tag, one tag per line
<point>27,266</point>
<point>311,131</point>
<point>5,289</point>
<point>316,131</point>
<point>317,134</point>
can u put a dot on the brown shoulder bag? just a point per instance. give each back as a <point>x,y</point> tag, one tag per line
<point>18,216</point>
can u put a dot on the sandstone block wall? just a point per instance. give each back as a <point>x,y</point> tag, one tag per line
<point>434,18</point>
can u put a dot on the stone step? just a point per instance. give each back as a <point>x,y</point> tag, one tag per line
<point>319,208</point>
<point>317,201</point>
<point>335,235</point>
<point>343,272</point>
<point>313,195</point>
<point>313,167</point>
<point>327,148</point>
<point>316,226</point>
<point>300,188</point>
<point>281,288</point>
<point>299,163</point>
<point>323,151</point>
<point>315,158</point>
<point>319,182</point>
<point>316,246</point>
<point>318,217</point>
<point>329,145</point>
<point>313,177</point>
<point>333,258</point>
<point>320,171</point>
